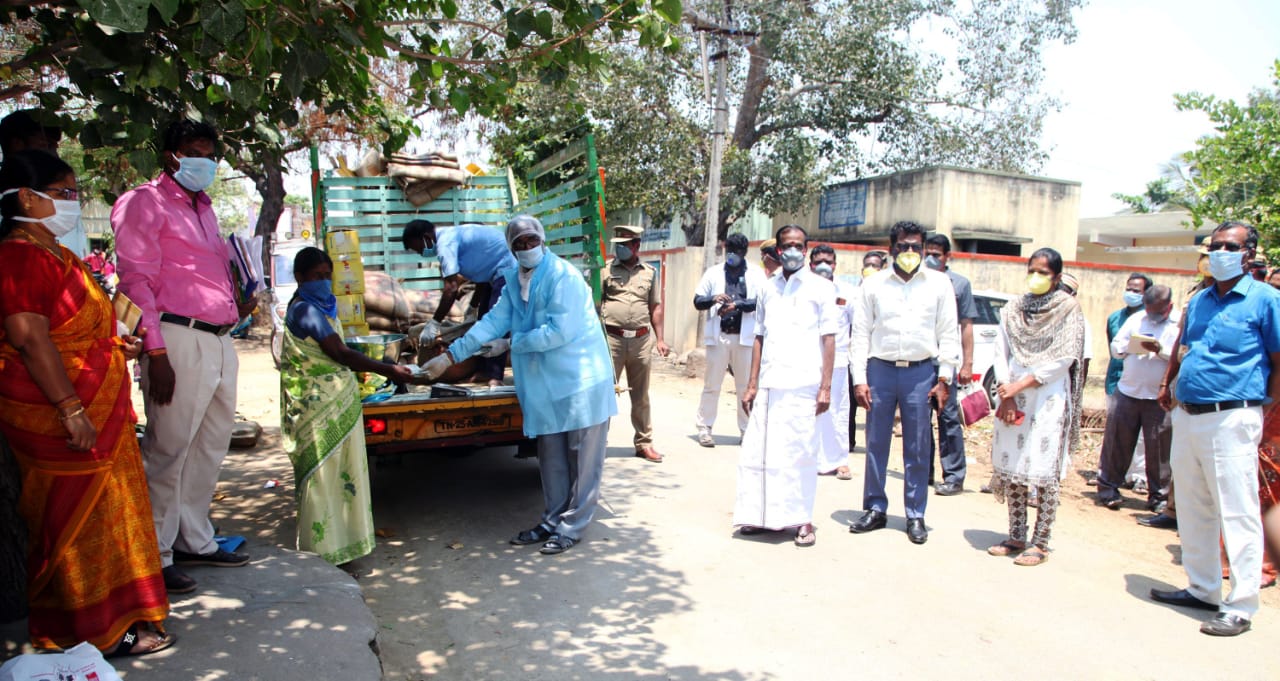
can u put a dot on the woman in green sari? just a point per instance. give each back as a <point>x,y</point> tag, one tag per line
<point>320,418</point>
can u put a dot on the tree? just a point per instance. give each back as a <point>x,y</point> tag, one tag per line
<point>1235,173</point>
<point>819,89</point>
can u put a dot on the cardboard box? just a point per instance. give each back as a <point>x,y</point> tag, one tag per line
<point>351,309</point>
<point>348,275</point>
<point>342,242</point>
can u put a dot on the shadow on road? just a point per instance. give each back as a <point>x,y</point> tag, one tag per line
<point>1140,586</point>
<point>981,540</point>
<point>454,599</point>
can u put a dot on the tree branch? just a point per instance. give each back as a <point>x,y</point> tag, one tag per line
<point>771,128</point>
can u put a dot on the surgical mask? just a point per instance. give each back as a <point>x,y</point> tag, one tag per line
<point>428,251</point>
<point>1225,265</point>
<point>824,270</point>
<point>907,261</point>
<point>933,263</point>
<point>529,258</point>
<point>734,261</point>
<point>66,214</point>
<point>792,259</point>
<point>623,252</point>
<point>320,294</point>
<point>868,271</point>
<point>1132,299</point>
<point>1039,284</point>
<point>195,173</point>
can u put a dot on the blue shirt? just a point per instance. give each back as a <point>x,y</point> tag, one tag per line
<point>1228,341</point>
<point>563,370</point>
<point>478,253</point>
<point>305,320</point>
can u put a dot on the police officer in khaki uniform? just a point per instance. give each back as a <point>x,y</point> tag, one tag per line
<point>631,310</point>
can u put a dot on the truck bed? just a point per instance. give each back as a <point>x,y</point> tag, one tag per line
<point>469,416</point>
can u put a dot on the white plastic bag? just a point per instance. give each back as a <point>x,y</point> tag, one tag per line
<point>83,662</point>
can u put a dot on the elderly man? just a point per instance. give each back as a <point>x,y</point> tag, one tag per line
<point>1133,408</point>
<point>472,253</point>
<point>950,443</point>
<point>562,375</point>
<point>728,292</point>
<point>173,264</point>
<point>834,459</point>
<point>1231,367</point>
<point>906,347</point>
<point>790,386</point>
<point>632,313</point>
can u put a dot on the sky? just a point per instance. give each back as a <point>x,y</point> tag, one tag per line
<point>1118,123</point>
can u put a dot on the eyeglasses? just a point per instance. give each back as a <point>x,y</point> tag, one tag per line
<point>1226,246</point>
<point>918,248</point>
<point>64,193</point>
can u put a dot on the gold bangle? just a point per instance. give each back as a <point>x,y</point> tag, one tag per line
<point>66,401</point>
<point>73,414</point>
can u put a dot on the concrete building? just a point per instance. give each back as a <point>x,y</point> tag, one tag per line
<point>1165,240</point>
<point>982,211</point>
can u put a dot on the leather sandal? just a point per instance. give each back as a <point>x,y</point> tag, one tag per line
<point>1032,557</point>
<point>558,543</point>
<point>805,535</point>
<point>1007,548</point>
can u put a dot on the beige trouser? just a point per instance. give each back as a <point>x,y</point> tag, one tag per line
<point>634,355</point>
<point>187,439</point>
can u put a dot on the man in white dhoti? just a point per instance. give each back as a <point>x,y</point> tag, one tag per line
<point>834,456</point>
<point>790,386</point>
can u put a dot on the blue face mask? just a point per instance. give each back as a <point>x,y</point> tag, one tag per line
<point>734,261</point>
<point>320,294</point>
<point>195,173</point>
<point>1132,299</point>
<point>624,253</point>
<point>529,258</point>
<point>1225,265</point>
<point>428,251</point>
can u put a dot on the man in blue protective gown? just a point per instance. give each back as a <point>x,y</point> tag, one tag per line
<point>563,376</point>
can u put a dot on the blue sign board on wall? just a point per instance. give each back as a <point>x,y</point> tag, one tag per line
<point>843,205</point>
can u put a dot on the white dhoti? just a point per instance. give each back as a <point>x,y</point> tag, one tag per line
<point>778,464</point>
<point>833,424</point>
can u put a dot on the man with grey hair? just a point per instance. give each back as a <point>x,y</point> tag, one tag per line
<point>1144,343</point>
<point>563,377</point>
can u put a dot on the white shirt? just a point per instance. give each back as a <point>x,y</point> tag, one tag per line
<point>713,284</point>
<point>1143,373</point>
<point>846,297</point>
<point>1088,341</point>
<point>792,317</point>
<point>908,320</point>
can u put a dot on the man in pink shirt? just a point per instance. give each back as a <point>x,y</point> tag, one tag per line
<point>173,262</point>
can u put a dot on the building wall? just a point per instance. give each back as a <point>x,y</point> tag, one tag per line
<point>1181,253</point>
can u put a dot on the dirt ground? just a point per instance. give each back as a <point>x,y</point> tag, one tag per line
<point>661,587</point>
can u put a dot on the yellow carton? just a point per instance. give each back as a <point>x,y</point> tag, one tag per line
<point>351,308</point>
<point>348,275</point>
<point>342,242</point>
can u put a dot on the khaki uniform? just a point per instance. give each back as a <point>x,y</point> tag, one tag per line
<point>624,310</point>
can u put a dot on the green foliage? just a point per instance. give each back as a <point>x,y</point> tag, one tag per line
<point>1235,173</point>
<point>819,90</point>
<point>1161,194</point>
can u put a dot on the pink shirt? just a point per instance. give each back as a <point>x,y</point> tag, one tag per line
<point>171,257</point>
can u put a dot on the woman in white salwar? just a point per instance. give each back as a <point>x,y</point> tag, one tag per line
<point>1038,361</point>
<point>321,421</point>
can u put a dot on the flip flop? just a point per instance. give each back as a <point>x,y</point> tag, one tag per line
<point>1007,547</point>
<point>806,539</point>
<point>843,475</point>
<point>1031,557</point>
<point>132,639</point>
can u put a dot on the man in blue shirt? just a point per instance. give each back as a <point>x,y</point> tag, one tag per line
<point>1231,366</point>
<point>472,253</point>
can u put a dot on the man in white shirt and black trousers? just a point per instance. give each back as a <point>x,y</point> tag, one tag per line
<point>906,347</point>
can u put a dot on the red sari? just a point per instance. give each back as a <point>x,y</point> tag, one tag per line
<point>93,566</point>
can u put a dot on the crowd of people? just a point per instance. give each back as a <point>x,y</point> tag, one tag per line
<point>113,519</point>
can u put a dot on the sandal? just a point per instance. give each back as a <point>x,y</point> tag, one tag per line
<point>1031,557</point>
<point>532,536</point>
<point>842,473</point>
<point>558,543</point>
<point>1007,547</point>
<point>751,529</point>
<point>805,535</point>
<point>129,643</point>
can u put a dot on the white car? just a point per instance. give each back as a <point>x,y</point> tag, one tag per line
<point>985,328</point>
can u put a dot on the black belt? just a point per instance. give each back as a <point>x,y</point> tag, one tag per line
<point>1219,406</point>
<point>196,324</point>
<point>902,363</point>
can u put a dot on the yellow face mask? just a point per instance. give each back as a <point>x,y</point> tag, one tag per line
<point>868,271</point>
<point>1038,283</point>
<point>908,261</point>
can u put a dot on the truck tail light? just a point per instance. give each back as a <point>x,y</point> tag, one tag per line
<point>375,426</point>
<point>977,378</point>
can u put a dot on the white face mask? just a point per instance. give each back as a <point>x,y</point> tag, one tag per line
<point>529,258</point>
<point>195,173</point>
<point>66,214</point>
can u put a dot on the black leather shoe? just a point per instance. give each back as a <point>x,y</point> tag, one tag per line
<point>176,581</point>
<point>948,489</point>
<point>1182,598</point>
<point>1159,521</point>
<point>1225,625</point>
<point>916,532</point>
<point>871,520</point>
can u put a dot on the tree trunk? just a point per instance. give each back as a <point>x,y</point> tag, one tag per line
<point>13,540</point>
<point>268,179</point>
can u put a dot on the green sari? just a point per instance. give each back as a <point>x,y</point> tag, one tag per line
<point>324,437</point>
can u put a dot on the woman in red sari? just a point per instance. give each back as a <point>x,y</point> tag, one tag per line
<point>93,568</point>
